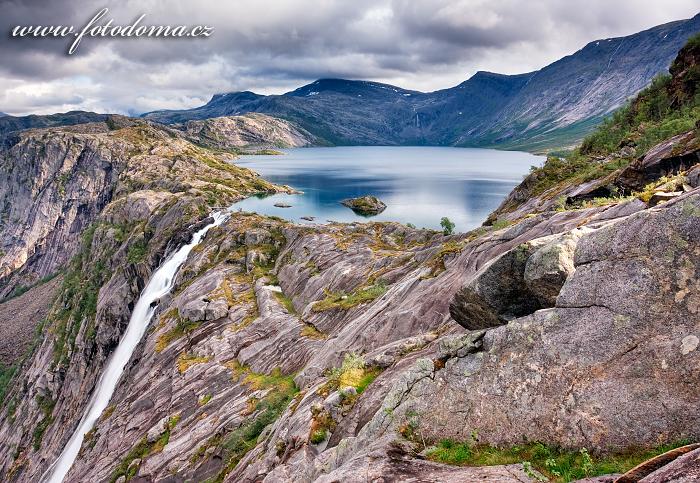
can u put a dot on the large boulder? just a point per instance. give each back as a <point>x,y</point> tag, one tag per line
<point>524,279</point>
<point>548,267</point>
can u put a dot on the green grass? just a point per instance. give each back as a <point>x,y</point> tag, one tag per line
<point>137,252</point>
<point>343,301</point>
<point>286,302</point>
<point>674,183</point>
<point>437,261</point>
<point>318,436</point>
<point>281,389</point>
<point>310,331</point>
<point>182,326</point>
<point>556,464</point>
<point>6,374</point>
<point>46,405</point>
<point>143,449</point>
<point>352,373</point>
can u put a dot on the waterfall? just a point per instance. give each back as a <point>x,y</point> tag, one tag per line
<point>159,285</point>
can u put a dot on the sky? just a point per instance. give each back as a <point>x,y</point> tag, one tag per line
<point>271,47</point>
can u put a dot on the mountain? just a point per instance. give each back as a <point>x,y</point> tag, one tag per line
<point>554,106</point>
<point>563,336</point>
<point>10,124</point>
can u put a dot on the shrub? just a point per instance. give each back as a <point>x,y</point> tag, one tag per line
<point>447,226</point>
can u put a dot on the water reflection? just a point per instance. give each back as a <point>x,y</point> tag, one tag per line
<point>419,184</point>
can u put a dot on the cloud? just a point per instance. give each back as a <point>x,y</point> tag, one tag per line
<point>275,46</point>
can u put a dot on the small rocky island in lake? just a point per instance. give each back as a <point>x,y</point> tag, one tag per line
<point>365,205</point>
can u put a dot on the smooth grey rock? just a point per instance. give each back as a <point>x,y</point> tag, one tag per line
<point>216,309</point>
<point>549,266</point>
<point>195,310</point>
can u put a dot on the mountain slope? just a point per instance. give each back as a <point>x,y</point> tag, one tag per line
<point>556,105</point>
<point>346,352</point>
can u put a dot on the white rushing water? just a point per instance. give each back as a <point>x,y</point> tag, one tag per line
<point>159,285</point>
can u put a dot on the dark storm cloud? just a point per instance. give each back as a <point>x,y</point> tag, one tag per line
<point>274,46</point>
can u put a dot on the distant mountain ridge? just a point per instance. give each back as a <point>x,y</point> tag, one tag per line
<point>554,106</point>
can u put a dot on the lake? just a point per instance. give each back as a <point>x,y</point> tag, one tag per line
<point>419,185</point>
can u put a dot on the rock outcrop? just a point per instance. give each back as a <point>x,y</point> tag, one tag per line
<point>365,205</point>
<point>522,280</point>
<point>675,155</point>
<point>249,132</point>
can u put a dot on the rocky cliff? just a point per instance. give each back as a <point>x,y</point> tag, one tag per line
<point>63,189</point>
<point>248,133</point>
<point>57,181</point>
<point>560,340</point>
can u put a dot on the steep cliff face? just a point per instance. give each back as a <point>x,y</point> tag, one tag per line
<point>55,184</point>
<point>57,181</point>
<point>132,192</point>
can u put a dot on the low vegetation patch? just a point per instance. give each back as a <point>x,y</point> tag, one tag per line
<point>182,326</point>
<point>142,450</point>
<point>343,301</point>
<point>665,183</point>
<point>576,168</point>
<point>556,464</point>
<point>437,261</point>
<point>354,372</point>
<point>77,303</point>
<point>46,405</point>
<point>109,410</point>
<point>6,374</point>
<point>322,425</point>
<point>286,302</point>
<point>310,331</point>
<point>280,390</point>
<point>137,252</point>
<point>185,361</point>
<point>646,121</point>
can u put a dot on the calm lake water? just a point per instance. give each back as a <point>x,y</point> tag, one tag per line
<point>419,185</point>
